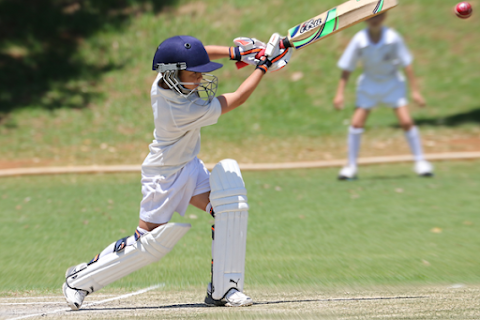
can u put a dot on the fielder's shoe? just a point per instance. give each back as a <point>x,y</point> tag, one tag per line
<point>348,173</point>
<point>233,298</point>
<point>74,297</point>
<point>424,168</point>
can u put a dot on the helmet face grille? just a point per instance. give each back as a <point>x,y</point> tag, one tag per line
<point>203,94</point>
<point>207,88</point>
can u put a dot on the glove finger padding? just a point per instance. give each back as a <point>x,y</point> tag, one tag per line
<point>272,64</point>
<point>249,48</point>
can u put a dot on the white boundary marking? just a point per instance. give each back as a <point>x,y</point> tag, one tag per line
<point>90,304</point>
<point>243,167</point>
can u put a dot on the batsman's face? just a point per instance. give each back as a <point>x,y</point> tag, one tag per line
<point>188,76</point>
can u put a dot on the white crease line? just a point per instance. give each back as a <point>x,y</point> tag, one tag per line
<point>91,303</point>
<point>32,298</point>
<point>125,295</point>
<point>25,303</point>
<point>49,297</point>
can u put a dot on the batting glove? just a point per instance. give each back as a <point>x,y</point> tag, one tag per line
<point>276,63</point>
<point>245,50</point>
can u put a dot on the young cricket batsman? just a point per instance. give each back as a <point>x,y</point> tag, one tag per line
<point>183,100</point>
<point>382,53</point>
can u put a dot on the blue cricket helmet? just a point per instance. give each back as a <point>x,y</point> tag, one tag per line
<point>186,49</point>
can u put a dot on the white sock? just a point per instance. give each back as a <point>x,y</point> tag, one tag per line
<point>413,138</point>
<point>354,141</point>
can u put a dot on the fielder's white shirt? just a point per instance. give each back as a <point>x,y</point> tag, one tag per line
<point>381,61</point>
<point>177,130</point>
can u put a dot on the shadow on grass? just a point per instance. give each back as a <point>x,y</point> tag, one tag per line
<point>468,117</point>
<point>39,40</point>
<point>384,178</point>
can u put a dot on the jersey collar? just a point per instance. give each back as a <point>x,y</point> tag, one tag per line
<point>386,38</point>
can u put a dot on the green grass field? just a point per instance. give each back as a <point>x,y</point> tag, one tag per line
<point>100,114</point>
<point>305,230</point>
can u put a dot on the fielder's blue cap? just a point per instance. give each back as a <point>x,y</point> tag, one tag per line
<point>185,49</point>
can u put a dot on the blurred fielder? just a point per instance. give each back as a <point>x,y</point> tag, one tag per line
<point>183,101</point>
<point>382,52</point>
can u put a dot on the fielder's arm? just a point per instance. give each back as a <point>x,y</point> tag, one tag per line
<point>416,95</point>
<point>339,100</point>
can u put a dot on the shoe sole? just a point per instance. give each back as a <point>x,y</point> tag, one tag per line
<point>210,302</point>
<point>248,304</point>
<point>213,303</point>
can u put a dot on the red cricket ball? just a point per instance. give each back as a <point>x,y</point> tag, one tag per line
<point>463,10</point>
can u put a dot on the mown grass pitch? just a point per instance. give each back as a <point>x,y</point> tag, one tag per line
<point>386,302</point>
<point>305,229</point>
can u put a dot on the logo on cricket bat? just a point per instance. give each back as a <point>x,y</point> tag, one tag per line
<point>309,25</point>
<point>322,28</point>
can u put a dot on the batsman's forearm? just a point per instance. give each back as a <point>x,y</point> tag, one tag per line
<point>217,52</point>
<point>250,84</point>
<point>235,99</point>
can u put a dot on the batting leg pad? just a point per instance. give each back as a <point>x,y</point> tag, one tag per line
<point>150,248</point>
<point>228,197</point>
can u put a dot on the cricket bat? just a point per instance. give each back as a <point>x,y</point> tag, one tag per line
<point>329,23</point>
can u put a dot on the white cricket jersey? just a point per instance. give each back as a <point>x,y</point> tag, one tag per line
<point>177,130</point>
<point>381,60</point>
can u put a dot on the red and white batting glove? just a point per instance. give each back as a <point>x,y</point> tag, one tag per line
<point>271,64</point>
<point>277,53</point>
<point>245,50</point>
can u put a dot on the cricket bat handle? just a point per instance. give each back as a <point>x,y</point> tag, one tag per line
<point>276,42</point>
<point>285,43</point>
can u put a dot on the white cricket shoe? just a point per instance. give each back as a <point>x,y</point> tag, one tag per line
<point>348,173</point>
<point>233,298</point>
<point>74,297</point>
<point>236,298</point>
<point>423,168</point>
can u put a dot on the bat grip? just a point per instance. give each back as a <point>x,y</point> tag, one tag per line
<point>284,43</point>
